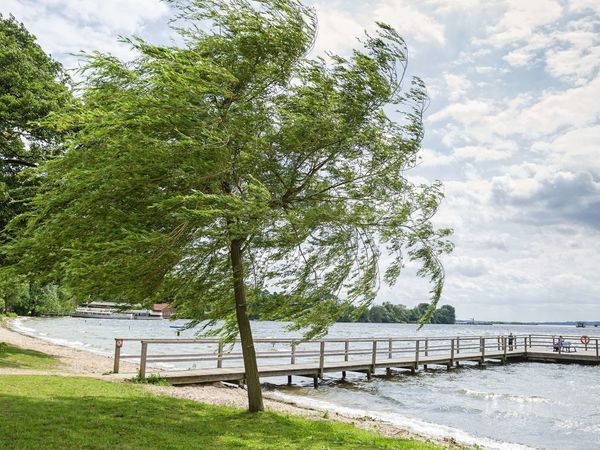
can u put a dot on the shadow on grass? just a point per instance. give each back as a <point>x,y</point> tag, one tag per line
<point>20,358</point>
<point>85,419</point>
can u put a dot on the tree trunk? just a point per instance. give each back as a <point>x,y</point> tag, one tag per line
<point>255,401</point>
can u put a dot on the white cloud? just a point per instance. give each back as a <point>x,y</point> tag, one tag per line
<point>465,112</point>
<point>577,150</point>
<point>431,158</point>
<point>453,6</point>
<point>480,153</point>
<point>520,19</point>
<point>409,21</point>
<point>456,85</point>
<point>525,53</point>
<point>338,30</point>
<point>64,27</point>
<point>583,5</point>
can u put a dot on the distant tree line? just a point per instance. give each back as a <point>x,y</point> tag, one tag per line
<point>33,299</point>
<point>393,313</point>
<point>263,305</point>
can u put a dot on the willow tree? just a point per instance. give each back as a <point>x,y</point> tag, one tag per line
<point>205,172</point>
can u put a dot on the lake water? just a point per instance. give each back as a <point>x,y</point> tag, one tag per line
<point>519,405</point>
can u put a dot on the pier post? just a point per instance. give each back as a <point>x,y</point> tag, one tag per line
<point>597,350</point>
<point>426,351</point>
<point>316,382</point>
<point>390,347</point>
<point>525,345</point>
<point>529,341</point>
<point>451,352</point>
<point>289,380</point>
<point>220,356</point>
<point>346,349</point>
<point>118,343</point>
<point>321,359</point>
<point>457,345</point>
<point>343,374</point>
<point>143,355</point>
<point>504,348</point>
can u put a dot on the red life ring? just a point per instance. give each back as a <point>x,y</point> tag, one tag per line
<point>119,342</point>
<point>585,340</point>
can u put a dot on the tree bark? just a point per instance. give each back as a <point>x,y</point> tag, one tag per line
<point>255,401</point>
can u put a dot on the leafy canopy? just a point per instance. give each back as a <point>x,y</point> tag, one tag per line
<point>32,85</point>
<point>238,135</point>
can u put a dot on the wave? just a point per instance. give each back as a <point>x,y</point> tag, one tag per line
<point>18,326</point>
<point>421,427</point>
<point>502,396</point>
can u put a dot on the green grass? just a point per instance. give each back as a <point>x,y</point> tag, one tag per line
<point>50,412</point>
<point>19,358</point>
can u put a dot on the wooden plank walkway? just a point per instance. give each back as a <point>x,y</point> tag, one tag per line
<point>384,353</point>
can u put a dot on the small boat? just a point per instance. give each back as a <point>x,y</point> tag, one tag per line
<point>580,325</point>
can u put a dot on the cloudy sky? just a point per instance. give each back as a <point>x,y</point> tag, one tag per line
<point>512,130</point>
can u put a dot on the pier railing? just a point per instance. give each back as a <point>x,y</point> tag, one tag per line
<point>213,353</point>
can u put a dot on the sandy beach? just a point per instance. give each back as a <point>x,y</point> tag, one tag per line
<point>76,362</point>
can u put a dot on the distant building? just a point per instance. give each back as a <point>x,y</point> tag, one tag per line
<point>165,308</point>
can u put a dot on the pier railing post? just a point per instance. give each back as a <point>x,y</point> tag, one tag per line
<point>374,355</point>
<point>482,343</point>
<point>504,348</point>
<point>451,352</point>
<point>597,350</point>
<point>457,344</point>
<point>346,349</point>
<point>529,341</point>
<point>118,344</point>
<point>143,356</point>
<point>426,351</point>
<point>220,355</point>
<point>390,347</point>
<point>321,359</point>
<point>417,353</point>
<point>293,358</point>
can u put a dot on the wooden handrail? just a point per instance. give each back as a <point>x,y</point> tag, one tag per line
<point>402,347</point>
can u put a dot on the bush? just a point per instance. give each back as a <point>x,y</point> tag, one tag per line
<point>151,379</point>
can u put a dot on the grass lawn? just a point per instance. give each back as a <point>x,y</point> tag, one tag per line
<point>19,358</point>
<point>51,412</point>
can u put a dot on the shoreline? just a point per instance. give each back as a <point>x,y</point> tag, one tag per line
<point>83,362</point>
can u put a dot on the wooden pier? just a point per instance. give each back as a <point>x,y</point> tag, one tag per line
<point>211,360</point>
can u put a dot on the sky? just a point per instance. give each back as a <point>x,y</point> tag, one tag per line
<point>512,131</point>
